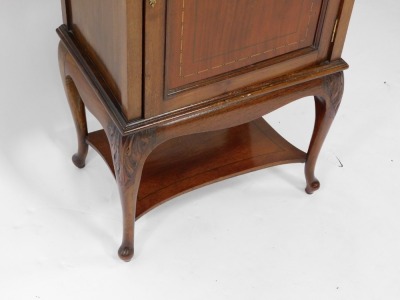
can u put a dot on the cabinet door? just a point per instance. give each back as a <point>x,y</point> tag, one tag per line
<point>196,50</point>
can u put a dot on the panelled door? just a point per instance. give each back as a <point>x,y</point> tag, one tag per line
<point>196,50</point>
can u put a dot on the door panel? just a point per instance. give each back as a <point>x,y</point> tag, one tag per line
<point>197,50</point>
<point>207,37</point>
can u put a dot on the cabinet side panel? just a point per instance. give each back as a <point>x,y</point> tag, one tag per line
<point>65,5</point>
<point>344,20</point>
<point>101,29</point>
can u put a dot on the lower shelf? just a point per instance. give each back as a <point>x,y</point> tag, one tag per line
<point>186,163</point>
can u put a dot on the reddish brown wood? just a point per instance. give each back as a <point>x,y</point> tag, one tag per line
<point>78,112</point>
<point>66,12</point>
<point>326,108</point>
<point>201,45</point>
<point>199,131</point>
<point>98,141</point>
<point>158,48</point>
<point>109,32</point>
<point>341,30</point>
<point>189,162</point>
<point>129,154</point>
<point>129,151</point>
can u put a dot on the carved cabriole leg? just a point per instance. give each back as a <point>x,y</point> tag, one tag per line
<point>129,154</point>
<point>77,109</point>
<point>326,107</point>
<point>78,113</point>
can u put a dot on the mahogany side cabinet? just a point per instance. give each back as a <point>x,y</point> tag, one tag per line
<point>180,88</point>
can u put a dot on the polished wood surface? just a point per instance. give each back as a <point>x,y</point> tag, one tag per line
<point>160,49</point>
<point>203,42</point>
<point>185,163</point>
<point>129,151</point>
<point>171,139</point>
<point>118,36</point>
<point>109,31</point>
<point>78,112</point>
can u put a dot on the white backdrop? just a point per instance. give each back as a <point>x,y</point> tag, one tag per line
<point>258,236</point>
